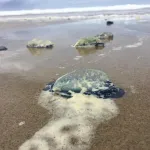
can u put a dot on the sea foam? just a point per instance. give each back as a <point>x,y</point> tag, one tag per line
<point>69,10</point>
<point>73,124</point>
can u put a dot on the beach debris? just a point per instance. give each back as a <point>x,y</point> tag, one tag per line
<point>21,123</point>
<point>3,48</point>
<point>86,81</point>
<point>36,43</point>
<point>109,23</point>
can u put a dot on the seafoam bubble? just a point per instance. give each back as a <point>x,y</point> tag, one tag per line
<point>73,124</point>
<point>117,48</point>
<point>77,57</point>
<point>140,43</point>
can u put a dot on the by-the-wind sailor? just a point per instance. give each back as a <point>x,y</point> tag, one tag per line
<point>87,81</point>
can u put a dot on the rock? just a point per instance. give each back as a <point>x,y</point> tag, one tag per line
<point>36,43</point>
<point>109,23</point>
<point>3,48</point>
<point>105,37</point>
<point>89,42</point>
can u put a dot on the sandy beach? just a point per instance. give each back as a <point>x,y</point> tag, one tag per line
<point>24,73</point>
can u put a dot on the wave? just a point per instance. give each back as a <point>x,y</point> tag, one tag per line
<point>73,10</point>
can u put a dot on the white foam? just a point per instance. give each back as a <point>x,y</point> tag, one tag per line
<point>73,123</point>
<point>61,67</point>
<point>58,17</point>
<point>77,57</point>
<point>69,10</point>
<point>140,43</point>
<point>102,55</point>
<point>117,48</point>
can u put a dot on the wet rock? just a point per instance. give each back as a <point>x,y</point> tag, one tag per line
<point>3,48</point>
<point>89,42</point>
<point>109,23</point>
<point>36,43</point>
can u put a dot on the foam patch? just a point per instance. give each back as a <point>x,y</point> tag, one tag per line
<point>73,124</point>
<point>117,48</point>
<point>135,45</point>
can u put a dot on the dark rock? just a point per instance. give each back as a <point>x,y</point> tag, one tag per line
<point>109,23</point>
<point>3,48</point>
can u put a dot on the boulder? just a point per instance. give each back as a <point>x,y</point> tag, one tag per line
<point>3,48</point>
<point>89,42</point>
<point>36,43</point>
<point>109,23</point>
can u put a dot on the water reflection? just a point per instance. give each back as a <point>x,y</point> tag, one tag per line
<point>39,51</point>
<point>88,51</point>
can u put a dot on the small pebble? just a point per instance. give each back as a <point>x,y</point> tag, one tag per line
<point>22,123</point>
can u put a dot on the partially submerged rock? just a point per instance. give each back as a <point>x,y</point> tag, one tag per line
<point>36,43</point>
<point>89,42</point>
<point>86,81</point>
<point>105,36</point>
<point>3,48</point>
<point>96,41</point>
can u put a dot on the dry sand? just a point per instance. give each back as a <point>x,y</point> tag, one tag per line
<point>127,66</point>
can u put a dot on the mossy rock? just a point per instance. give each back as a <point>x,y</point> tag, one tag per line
<point>89,42</point>
<point>36,43</point>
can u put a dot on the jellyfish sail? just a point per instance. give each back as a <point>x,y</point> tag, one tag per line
<point>86,81</point>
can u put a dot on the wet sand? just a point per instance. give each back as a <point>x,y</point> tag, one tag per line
<point>23,75</point>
